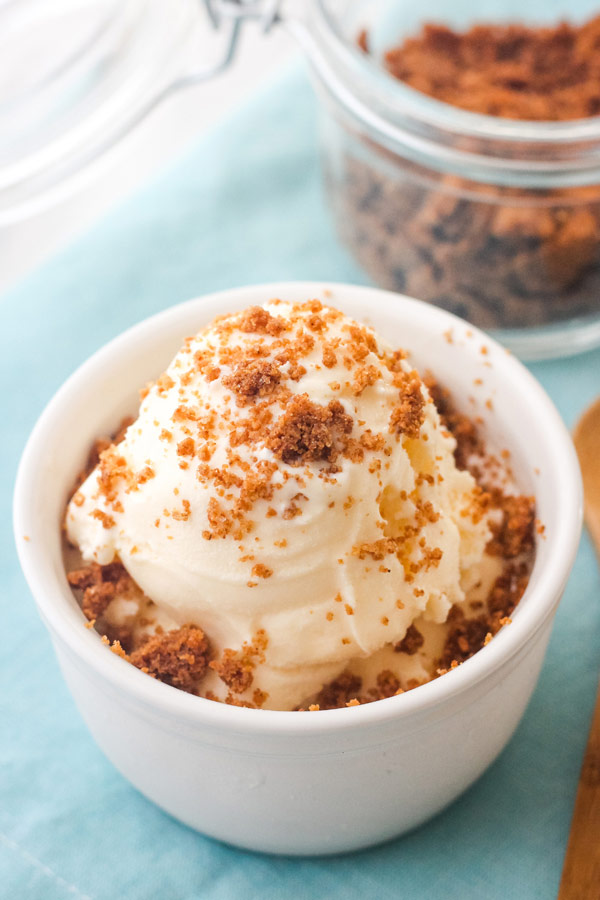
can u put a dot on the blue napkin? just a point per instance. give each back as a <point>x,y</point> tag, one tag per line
<point>243,206</point>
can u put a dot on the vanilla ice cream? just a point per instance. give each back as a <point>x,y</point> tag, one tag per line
<point>289,488</point>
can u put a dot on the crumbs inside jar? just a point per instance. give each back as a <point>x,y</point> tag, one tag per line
<point>514,71</point>
<point>499,256</point>
<point>184,657</point>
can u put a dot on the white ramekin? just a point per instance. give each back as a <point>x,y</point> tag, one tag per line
<point>286,782</point>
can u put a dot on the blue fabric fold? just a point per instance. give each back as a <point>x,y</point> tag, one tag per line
<point>244,205</point>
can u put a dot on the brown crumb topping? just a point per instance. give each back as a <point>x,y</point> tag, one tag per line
<point>412,641</point>
<point>236,667</point>
<point>307,431</point>
<point>299,431</point>
<point>236,671</point>
<point>514,535</point>
<point>409,415</point>
<point>100,586</point>
<point>186,447</point>
<point>99,445</point>
<point>365,377</point>
<point>509,70</point>
<point>468,635</point>
<point>465,637</point>
<point>259,321</point>
<point>253,378</point>
<point>508,589</point>
<point>345,690</point>
<point>106,519</point>
<point>329,356</point>
<point>178,658</point>
<point>261,571</point>
<point>387,685</point>
<point>339,692</point>
<point>464,430</point>
<point>371,441</point>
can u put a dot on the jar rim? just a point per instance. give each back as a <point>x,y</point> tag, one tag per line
<point>443,114</point>
<point>565,152</point>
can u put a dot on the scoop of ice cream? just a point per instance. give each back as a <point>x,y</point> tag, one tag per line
<point>288,487</point>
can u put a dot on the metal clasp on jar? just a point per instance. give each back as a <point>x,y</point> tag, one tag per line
<point>231,15</point>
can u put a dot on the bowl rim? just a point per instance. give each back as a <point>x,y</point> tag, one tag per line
<point>66,622</point>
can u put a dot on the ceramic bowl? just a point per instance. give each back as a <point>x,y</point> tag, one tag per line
<point>288,782</point>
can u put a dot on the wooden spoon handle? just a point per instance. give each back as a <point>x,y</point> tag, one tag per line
<point>581,871</point>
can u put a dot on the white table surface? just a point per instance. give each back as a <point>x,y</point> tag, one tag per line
<point>157,140</point>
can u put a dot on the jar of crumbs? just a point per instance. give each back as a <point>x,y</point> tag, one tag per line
<point>460,141</point>
<point>461,152</point>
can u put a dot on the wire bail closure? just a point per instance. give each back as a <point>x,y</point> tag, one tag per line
<point>233,14</point>
<point>265,11</point>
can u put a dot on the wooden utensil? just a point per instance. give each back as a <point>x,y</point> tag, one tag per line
<point>581,870</point>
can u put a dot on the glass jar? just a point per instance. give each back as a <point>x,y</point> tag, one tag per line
<point>496,220</point>
<point>77,75</point>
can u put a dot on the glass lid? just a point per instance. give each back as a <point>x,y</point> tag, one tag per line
<point>76,75</point>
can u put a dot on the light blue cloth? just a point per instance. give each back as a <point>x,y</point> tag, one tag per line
<point>243,206</point>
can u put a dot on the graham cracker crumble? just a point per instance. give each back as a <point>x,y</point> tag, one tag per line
<point>100,585</point>
<point>236,671</point>
<point>339,692</point>
<point>513,535</point>
<point>409,415</point>
<point>345,691</point>
<point>253,378</point>
<point>512,540</point>
<point>461,426</point>
<point>311,440</point>
<point>411,642</point>
<point>468,635</point>
<point>297,431</point>
<point>179,658</point>
<point>98,447</point>
<point>491,253</point>
<point>236,667</point>
<point>307,431</point>
<point>508,70</point>
<point>259,320</point>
